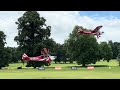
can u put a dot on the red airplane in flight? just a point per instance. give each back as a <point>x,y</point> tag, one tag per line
<point>93,32</point>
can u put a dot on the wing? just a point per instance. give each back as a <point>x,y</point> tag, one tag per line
<point>97,29</point>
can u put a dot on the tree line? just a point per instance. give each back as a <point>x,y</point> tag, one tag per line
<point>34,35</point>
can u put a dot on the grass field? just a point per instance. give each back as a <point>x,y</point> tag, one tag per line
<point>101,71</point>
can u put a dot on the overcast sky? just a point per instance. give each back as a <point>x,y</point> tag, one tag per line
<point>63,22</point>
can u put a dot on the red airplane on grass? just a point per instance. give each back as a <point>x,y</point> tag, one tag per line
<point>93,32</point>
<point>45,57</point>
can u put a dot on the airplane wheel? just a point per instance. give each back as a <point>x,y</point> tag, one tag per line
<point>19,67</point>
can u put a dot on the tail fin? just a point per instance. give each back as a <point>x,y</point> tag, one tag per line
<point>24,56</point>
<point>79,29</point>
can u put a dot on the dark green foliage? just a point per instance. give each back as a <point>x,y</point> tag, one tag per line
<point>112,47</point>
<point>118,58</point>
<point>115,48</point>
<point>106,51</point>
<point>59,55</point>
<point>14,54</point>
<point>4,57</point>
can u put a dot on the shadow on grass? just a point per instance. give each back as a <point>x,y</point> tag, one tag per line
<point>82,66</point>
<point>72,66</point>
<point>49,67</point>
<point>87,66</point>
<point>100,65</point>
<point>64,63</point>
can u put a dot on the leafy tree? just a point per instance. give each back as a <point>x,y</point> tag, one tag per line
<point>112,47</point>
<point>67,53</point>
<point>4,60</point>
<point>118,59</point>
<point>63,54</point>
<point>58,52</point>
<point>19,53</point>
<point>14,54</point>
<point>33,34</point>
<point>106,51</point>
<point>82,48</point>
<point>116,49</point>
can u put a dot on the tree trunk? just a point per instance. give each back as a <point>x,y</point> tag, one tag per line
<point>55,62</point>
<point>34,67</point>
<point>83,65</point>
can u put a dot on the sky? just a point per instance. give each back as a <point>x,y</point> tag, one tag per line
<point>63,22</point>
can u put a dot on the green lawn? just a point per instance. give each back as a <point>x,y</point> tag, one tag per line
<point>101,71</point>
